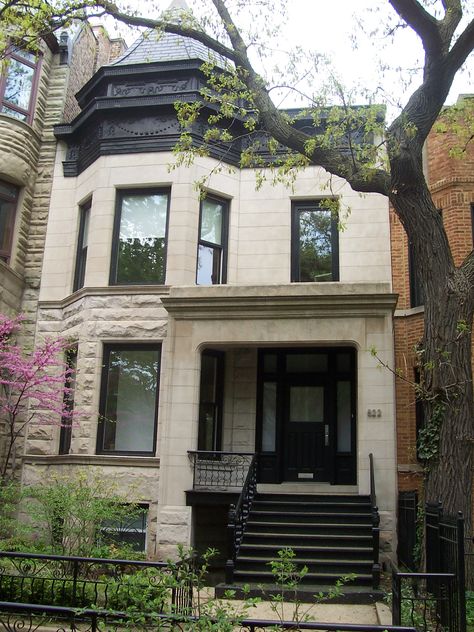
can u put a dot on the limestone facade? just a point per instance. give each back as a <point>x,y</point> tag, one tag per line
<point>257,308</point>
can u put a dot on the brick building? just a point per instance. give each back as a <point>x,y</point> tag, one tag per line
<point>451,182</point>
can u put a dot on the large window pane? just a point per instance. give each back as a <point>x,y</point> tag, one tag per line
<point>141,256</point>
<point>129,401</point>
<point>315,245</point>
<point>19,83</point>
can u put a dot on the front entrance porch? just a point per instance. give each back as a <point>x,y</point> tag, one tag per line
<point>283,372</point>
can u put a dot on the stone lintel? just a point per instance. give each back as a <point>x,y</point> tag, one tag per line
<point>329,300</point>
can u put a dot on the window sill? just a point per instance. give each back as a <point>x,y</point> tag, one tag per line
<point>409,312</point>
<point>92,459</point>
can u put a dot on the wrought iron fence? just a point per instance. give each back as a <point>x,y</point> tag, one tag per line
<point>444,543</point>
<point>29,618</point>
<point>219,470</point>
<point>78,582</point>
<point>427,601</point>
<point>407,517</point>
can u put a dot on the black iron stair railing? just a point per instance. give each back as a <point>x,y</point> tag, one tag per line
<point>238,516</point>
<point>375,526</point>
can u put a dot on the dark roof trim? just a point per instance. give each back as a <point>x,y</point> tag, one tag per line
<point>133,70</point>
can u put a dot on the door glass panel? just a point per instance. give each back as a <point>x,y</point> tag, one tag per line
<point>269,417</point>
<point>306,403</point>
<point>306,362</point>
<point>344,416</point>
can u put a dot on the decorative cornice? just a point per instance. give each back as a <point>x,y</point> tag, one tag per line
<point>310,300</point>
<point>449,182</point>
<point>110,290</point>
<point>91,459</point>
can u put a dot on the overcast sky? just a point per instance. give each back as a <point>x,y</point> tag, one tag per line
<point>328,27</point>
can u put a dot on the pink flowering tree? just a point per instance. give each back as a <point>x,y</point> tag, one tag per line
<point>34,388</point>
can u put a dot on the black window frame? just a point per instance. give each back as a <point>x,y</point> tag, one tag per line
<point>81,252</point>
<point>6,253</point>
<point>103,397</point>
<point>297,207</point>
<point>105,532</point>
<point>223,247</point>
<point>65,433</point>
<point>15,53</point>
<point>121,193</point>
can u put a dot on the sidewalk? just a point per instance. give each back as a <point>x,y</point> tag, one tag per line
<point>369,614</point>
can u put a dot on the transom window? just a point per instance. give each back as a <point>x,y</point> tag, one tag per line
<point>8,204</point>
<point>140,233</point>
<point>315,243</point>
<point>212,247</point>
<point>129,399</point>
<point>18,85</point>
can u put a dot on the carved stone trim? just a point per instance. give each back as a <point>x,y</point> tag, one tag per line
<point>92,459</point>
<point>110,290</point>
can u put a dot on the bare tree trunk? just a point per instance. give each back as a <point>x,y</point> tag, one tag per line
<point>445,351</point>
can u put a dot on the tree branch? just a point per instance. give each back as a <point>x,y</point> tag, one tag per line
<point>273,121</point>
<point>422,22</point>
<point>463,46</point>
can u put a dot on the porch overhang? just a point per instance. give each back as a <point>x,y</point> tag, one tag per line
<point>297,300</point>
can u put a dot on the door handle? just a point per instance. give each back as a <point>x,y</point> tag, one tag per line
<point>326,435</point>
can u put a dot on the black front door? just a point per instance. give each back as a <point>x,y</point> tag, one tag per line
<point>305,437</point>
<point>306,425</point>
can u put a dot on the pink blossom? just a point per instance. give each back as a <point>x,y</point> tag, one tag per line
<point>34,387</point>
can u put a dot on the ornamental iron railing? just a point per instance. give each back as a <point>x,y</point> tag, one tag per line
<point>219,470</point>
<point>375,526</point>
<point>79,582</point>
<point>238,516</point>
<point>29,618</point>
